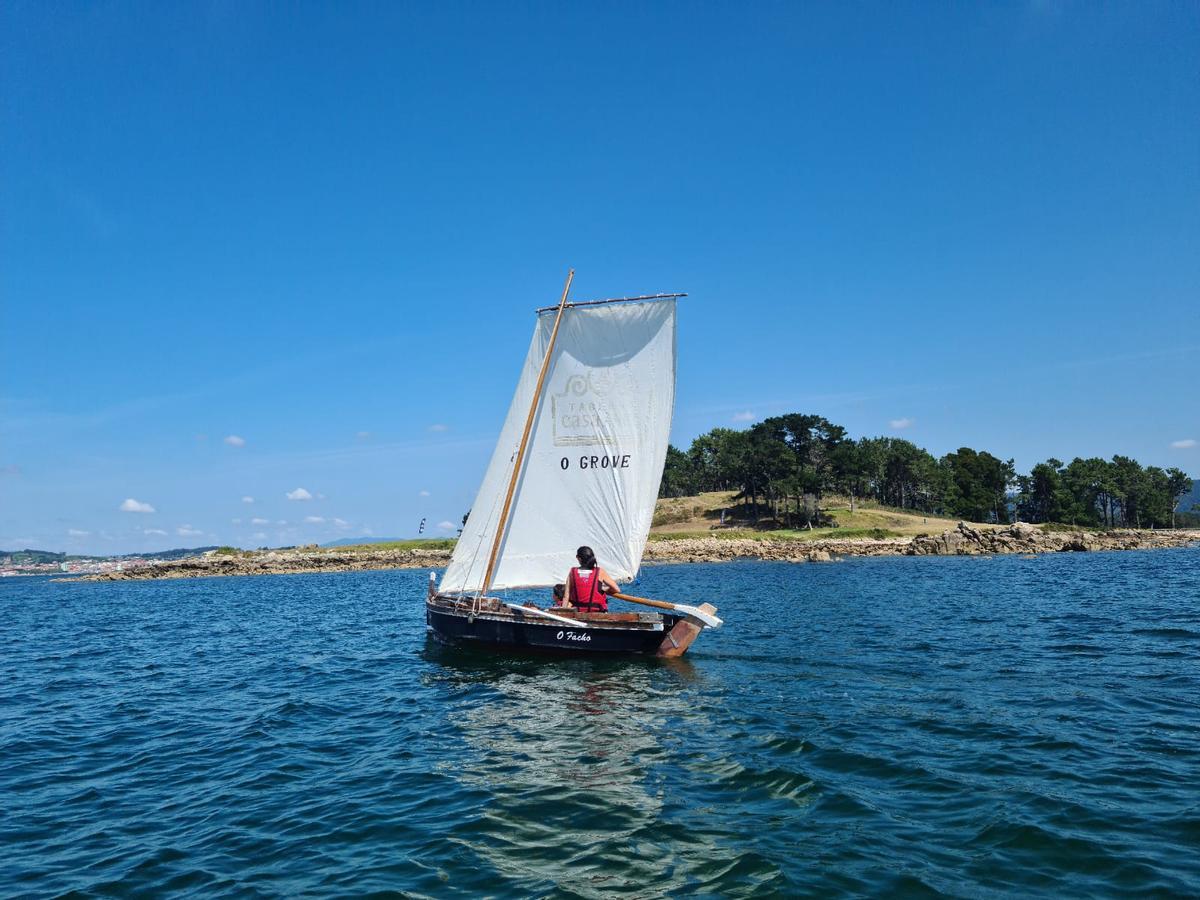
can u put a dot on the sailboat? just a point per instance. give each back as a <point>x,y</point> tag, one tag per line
<point>578,462</point>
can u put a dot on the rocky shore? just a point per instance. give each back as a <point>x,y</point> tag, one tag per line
<point>963,540</point>
<point>279,562</point>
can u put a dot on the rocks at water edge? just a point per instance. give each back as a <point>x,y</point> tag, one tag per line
<point>966,540</point>
<point>281,562</point>
<point>962,540</point>
<point>713,549</point>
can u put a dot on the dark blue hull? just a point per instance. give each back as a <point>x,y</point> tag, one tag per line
<point>530,633</point>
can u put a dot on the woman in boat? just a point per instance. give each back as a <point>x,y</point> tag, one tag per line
<point>588,585</point>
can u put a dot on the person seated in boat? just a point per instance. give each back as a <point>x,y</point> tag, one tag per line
<point>588,585</point>
<point>560,595</point>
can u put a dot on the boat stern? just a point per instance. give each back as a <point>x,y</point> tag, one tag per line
<point>677,640</point>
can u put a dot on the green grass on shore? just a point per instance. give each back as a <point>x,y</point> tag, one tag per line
<point>697,516</point>
<point>413,544</point>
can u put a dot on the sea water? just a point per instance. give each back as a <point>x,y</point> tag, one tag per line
<point>968,726</point>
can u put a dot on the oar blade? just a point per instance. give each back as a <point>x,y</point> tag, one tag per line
<point>710,620</point>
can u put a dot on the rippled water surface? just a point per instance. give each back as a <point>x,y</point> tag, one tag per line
<point>977,727</point>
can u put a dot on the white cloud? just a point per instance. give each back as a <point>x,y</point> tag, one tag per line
<point>299,494</point>
<point>247,499</point>
<point>75,532</point>
<point>314,520</point>
<point>743,416</point>
<point>188,531</point>
<point>447,526</point>
<point>153,531</point>
<point>258,520</point>
<point>281,522</point>
<point>341,523</point>
<point>438,426</point>
<point>1185,444</point>
<point>236,521</point>
<point>131,505</point>
<point>234,440</point>
<point>422,493</point>
<point>901,424</point>
<point>362,435</point>
<point>259,536</point>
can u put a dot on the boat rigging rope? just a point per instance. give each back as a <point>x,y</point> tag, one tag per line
<point>483,534</point>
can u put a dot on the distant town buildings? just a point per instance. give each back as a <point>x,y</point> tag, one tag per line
<point>83,566</point>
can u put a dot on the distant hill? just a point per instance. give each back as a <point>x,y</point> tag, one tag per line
<point>1192,499</point>
<point>180,553</point>
<point>30,557</point>
<point>33,557</point>
<point>356,542</point>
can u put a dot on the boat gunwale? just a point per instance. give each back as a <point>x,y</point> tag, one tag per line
<point>461,607</point>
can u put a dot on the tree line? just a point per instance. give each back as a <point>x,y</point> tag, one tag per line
<point>784,465</point>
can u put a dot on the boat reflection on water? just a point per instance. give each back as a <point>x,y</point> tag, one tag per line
<point>575,758</point>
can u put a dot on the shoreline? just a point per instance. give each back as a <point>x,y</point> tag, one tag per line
<point>963,540</point>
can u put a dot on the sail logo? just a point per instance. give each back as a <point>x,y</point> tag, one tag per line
<point>582,411</point>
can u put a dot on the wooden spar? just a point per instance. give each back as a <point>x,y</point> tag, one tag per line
<point>502,525</point>
<point>576,303</point>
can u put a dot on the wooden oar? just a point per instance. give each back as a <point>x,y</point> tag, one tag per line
<point>531,610</point>
<point>695,612</point>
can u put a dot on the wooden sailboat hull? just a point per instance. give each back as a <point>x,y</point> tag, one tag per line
<point>595,634</point>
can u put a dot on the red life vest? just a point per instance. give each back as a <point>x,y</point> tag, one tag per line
<point>585,591</point>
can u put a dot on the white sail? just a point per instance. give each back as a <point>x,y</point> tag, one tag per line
<point>595,455</point>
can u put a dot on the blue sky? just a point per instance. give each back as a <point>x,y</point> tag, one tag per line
<point>322,230</point>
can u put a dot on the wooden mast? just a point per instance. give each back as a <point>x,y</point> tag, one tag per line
<point>502,525</point>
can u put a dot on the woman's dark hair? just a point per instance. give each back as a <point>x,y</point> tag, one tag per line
<point>560,591</point>
<point>587,559</point>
